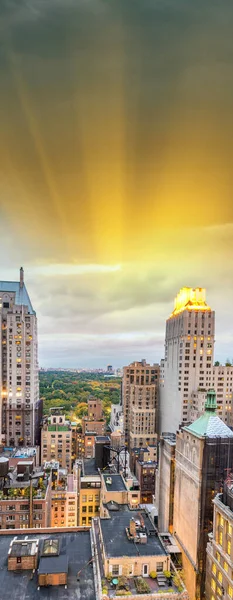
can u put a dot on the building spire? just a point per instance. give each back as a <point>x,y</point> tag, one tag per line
<point>21,277</point>
<point>211,404</point>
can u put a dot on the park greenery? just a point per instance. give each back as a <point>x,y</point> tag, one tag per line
<point>72,390</point>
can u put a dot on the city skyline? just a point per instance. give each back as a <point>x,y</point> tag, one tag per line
<point>116,170</point>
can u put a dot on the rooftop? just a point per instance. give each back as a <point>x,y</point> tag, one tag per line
<point>115,539</point>
<point>75,546</point>
<point>209,424</point>
<point>89,467</point>
<point>21,294</point>
<point>117,483</point>
<point>190,299</point>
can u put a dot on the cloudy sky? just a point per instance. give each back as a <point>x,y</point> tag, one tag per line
<point>116,180</point>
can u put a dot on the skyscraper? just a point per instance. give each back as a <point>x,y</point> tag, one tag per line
<point>188,364</point>
<point>204,454</point>
<point>19,384</point>
<point>139,399</point>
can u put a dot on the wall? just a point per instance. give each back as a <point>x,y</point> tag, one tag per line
<point>134,565</point>
<point>187,502</point>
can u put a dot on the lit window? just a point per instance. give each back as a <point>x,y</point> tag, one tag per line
<point>225,566</point>
<point>220,538</point>
<point>220,577</point>
<point>214,569</point>
<point>213,584</point>
<point>230,591</point>
<point>229,529</point>
<point>229,547</point>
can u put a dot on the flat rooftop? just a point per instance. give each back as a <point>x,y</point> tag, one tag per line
<point>76,546</point>
<point>89,467</point>
<point>115,539</point>
<point>117,484</point>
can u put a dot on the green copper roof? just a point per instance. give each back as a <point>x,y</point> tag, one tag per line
<point>209,424</point>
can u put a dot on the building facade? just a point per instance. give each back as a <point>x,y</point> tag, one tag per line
<point>219,568</point>
<point>188,360</point>
<point>56,441</point>
<point>19,383</point>
<point>139,399</point>
<point>204,451</point>
<point>188,370</point>
<point>64,501</point>
<point>165,482</point>
<point>95,420</point>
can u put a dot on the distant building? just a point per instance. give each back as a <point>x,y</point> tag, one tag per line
<point>204,452</point>
<point>25,497</point>
<point>117,418</point>
<point>64,500</point>
<point>219,567</point>
<point>88,488</point>
<point>109,369</point>
<point>139,399</point>
<point>115,488</point>
<point>95,421</point>
<point>145,473</point>
<point>19,384</point>
<point>56,440</point>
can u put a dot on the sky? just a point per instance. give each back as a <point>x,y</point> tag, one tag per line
<point>116,172</point>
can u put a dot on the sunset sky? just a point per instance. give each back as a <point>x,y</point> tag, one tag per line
<point>116,170</point>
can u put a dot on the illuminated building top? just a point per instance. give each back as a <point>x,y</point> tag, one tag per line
<point>190,299</point>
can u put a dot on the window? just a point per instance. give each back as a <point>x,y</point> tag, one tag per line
<point>115,569</point>
<point>213,584</point>
<point>18,560</point>
<point>214,569</point>
<point>229,529</point>
<point>220,538</point>
<point>230,591</point>
<point>225,566</point>
<point>84,509</point>
<point>229,548</point>
<point>220,577</point>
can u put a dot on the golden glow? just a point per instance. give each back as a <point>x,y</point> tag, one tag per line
<point>190,299</point>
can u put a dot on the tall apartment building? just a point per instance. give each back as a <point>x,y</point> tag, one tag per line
<point>19,385</point>
<point>139,399</point>
<point>188,364</point>
<point>219,568</point>
<point>56,440</point>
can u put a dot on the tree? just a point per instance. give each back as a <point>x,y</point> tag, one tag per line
<point>81,410</point>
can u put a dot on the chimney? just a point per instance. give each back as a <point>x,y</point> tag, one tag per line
<point>132,527</point>
<point>21,277</point>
